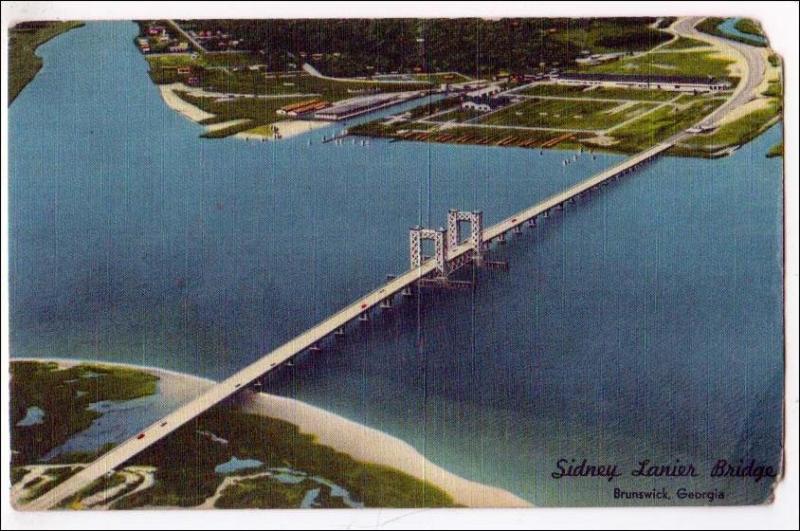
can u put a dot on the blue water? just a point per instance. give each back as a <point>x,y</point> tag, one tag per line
<point>644,322</point>
<point>33,415</point>
<point>728,26</point>
<point>235,464</point>
<point>119,421</point>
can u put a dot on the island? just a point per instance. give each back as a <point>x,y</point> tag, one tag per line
<point>242,454</point>
<point>616,85</point>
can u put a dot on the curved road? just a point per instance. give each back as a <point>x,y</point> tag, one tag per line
<point>752,77</point>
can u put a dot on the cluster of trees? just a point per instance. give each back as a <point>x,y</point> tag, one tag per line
<point>473,46</point>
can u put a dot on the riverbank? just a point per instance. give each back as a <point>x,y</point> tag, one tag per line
<point>361,443</point>
<point>242,128</point>
<point>23,40</point>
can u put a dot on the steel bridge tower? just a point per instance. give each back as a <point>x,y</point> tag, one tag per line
<point>437,236</point>
<point>475,219</point>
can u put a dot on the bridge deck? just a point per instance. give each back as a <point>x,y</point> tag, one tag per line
<point>230,386</point>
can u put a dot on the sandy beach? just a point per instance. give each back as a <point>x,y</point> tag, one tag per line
<point>175,103</point>
<point>287,129</point>
<point>360,442</point>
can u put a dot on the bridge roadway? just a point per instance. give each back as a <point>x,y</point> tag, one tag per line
<point>240,380</point>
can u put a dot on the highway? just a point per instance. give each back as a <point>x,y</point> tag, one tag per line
<point>241,379</point>
<point>179,29</point>
<point>752,76</point>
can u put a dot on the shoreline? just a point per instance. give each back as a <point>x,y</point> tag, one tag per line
<point>286,128</point>
<point>360,442</point>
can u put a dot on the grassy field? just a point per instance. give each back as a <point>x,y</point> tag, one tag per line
<point>553,89</point>
<point>629,125</point>
<point>668,63</point>
<point>191,479</point>
<point>237,81</point>
<point>565,114</point>
<point>611,93</point>
<point>64,396</point>
<point>774,88</point>
<point>775,151</point>
<point>458,115</point>
<point>683,43</point>
<point>23,39</point>
<point>749,26</point>
<point>737,132</point>
<point>660,124</point>
<point>260,112</point>
<point>610,35</point>
<point>215,75</point>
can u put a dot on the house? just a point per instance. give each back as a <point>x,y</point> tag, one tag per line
<point>488,90</point>
<point>183,70</point>
<point>286,109</point>
<point>182,46</point>
<point>639,81</point>
<point>193,81</point>
<point>484,103</point>
<point>144,44</point>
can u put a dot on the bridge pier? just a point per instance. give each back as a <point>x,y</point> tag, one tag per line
<point>339,332</point>
<point>532,222</point>
<point>315,348</point>
<point>363,316</point>
<point>407,291</point>
<point>501,238</point>
<point>386,303</point>
<point>518,229</point>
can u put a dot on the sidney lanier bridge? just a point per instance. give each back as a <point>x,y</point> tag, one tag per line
<point>450,253</point>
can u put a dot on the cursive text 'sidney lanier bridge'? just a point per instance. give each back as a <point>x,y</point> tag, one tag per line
<point>450,254</point>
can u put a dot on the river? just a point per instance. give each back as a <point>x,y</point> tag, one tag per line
<point>645,322</point>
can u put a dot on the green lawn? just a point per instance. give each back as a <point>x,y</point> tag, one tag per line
<point>217,75</point>
<point>553,89</point>
<point>614,93</point>
<point>610,35</point>
<point>749,26</point>
<point>737,132</point>
<point>682,43</point>
<point>669,63</point>
<point>458,115</point>
<point>660,124</point>
<point>23,39</point>
<point>611,93</point>
<point>563,114</point>
<point>260,111</point>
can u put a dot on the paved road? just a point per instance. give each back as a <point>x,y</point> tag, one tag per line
<point>752,76</point>
<point>239,381</point>
<point>186,35</point>
<point>234,384</point>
